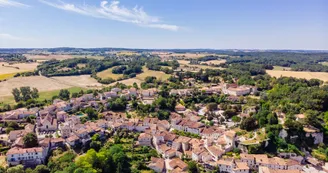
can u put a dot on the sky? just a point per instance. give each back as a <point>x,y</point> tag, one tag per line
<point>165,24</point>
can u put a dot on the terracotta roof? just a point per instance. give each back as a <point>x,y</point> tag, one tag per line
<point>176,162</point>
<point>241,165</point>
<point>225,162</point>
<point>157,162</point>
<point>72,138</point>
<point>24,150</point>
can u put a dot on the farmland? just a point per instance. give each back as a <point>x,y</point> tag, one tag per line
<point>185,62</point>
<point>108,73</point>
<point>47,84</point>
<point>307,75</point>
<point>184,55</point>
<point>59,57</point>
<point>215,62</point>
<point>6,68</point>
<point>8,71</point>
<point>42,95</point>
<point>128,82</point>
<point>146,72</point>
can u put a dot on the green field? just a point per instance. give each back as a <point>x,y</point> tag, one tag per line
<point>42,95</point>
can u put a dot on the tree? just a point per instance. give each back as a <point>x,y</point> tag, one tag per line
<point>92,114</point>
<point>13,125</point>
<point>30,140</point>
<point>212,106</point>
<point>41,169</point>
<point>248,124</point>
<point>193,167</point>
<point>135,85</point>
<point>236,119</point>
<point>26,93</point>
<point>35,93</point>
<point>64,94</point>
<point>16,169</point>
<point>17,94</point>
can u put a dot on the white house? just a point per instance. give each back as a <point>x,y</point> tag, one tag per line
<point>26,156</point>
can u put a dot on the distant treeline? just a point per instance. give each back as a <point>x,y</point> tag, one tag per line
<point>296,61</point>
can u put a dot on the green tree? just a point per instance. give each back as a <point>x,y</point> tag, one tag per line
<point>64,94</point>
<point>16,169</point>
<point>26,93</point>
<point>17,94</point>
<point>35,93</point>
<point>248,124</point>
<point>193,167</point>
<point>92,114</point>
<point>41,169</point>
<point>30,140</point>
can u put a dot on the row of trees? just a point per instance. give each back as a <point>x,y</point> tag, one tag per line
<point>25,93</point>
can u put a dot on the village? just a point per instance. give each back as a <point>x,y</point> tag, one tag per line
<point>183,136</point>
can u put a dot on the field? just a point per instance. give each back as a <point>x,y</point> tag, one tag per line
<point>307,75</point>
<point>184,55</point>
<point>59,57</point>
<point>42,95</point>
<point>47,84</point>
<point>83,81</point>
<point>108,73</point>
<point>157,74</point>
<point>128,82</point>
<point>280,68</point>
<point>185,62</point>
<point>6,68</point>
<point>324,63</point>
<point>216,62</point>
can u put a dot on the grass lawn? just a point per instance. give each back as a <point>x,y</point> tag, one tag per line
<point>157,74</point>
<point>42,95</point>
<point>7,76</point>
<point>108,73</point>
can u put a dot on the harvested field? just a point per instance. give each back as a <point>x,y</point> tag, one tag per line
<point>184,55</point>
<point>39,82</point>
<point>89,56</point>
<point>280,68</point>
<point>48,57</point>
<point>108,73</point>
<point>59,57</point>
<point>83,81</point>
<point>6,68</point>
<point>47,84</point>
<point>324,63</point>
<point>215,62</point>
<point>186,62</point>
<point>128,82</point>
<point>307,75</point>
<point>157,74</point>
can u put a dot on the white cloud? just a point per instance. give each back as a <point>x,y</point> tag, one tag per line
<point>9,37</point>
<point>10,3</point>
<point>113,11</point>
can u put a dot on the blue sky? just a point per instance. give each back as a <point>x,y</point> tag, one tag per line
<point>218,24</point>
